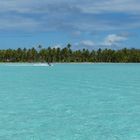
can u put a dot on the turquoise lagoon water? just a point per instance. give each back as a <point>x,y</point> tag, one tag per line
<point>70,102</point>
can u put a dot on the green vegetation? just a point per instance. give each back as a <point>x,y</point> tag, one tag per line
<point>68,55</point>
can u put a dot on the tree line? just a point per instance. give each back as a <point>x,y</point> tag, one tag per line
<point>67,54</point>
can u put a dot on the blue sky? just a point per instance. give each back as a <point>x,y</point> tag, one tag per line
<point>83,23</point>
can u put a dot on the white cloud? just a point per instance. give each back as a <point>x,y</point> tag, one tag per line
<point>110,41</point>
<point>57,46</point>
<point>72,15</point>
<point>76,33</point>
<point>86,43</point>
<point>18,23</point>
<point>87,6</point>
<point>114,39</point>
<point>125,6</point>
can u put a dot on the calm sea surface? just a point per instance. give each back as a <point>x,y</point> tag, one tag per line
<point>70,102</point>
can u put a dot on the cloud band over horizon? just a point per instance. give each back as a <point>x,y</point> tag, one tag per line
<point>85,18</point>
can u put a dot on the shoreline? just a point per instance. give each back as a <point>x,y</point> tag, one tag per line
<point>70,63</point>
